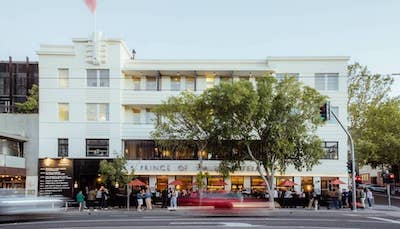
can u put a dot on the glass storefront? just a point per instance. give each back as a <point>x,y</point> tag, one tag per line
<point>279,180</point>
<point>236,183</point>
<point>257,183</point>
<point>162,183</point>
<point>12,182</point>
<point>326,185</point>
<point>307,184</point>
<point>213,183</point>
<point>186,180</point>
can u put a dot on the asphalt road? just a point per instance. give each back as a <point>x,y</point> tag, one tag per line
<point>381,198</point>
<point>211,219</point>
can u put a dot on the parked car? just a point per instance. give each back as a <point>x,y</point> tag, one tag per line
<point>377,188</point>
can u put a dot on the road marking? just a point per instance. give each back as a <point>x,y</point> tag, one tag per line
<point>226,224</point>
<point>386,220</point>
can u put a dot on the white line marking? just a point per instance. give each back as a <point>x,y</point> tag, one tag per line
<point>386,220</point>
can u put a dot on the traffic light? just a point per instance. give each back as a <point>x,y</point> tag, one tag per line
<point>358,179</point>
<point>349,166</point>
<point>325,112</point>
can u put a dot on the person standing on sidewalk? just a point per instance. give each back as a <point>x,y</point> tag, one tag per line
<point>139,197</point>
<point>370,198</point>
<point>80,198</point>
<point>174,197</point>
<point>362,198</point>
<point>147,197</point>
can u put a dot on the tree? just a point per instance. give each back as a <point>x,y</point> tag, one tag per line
<point>273,125</point>
<point>31,105</point>
<point>367,92</point>
<point>379,144</point>
<point>115,171</point>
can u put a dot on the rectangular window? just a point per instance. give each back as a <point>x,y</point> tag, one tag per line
<point>136,83</point>
<point>151,83</point>
<point>281,76</point>
<point>97,147</point>
<point>175,83</point>
<point>327,81</point>
<point>63,147</point>
<point>190,83</point>
<point>150,117</point>
<point>4,86</point>
<point>331,150</point>
<point>20,84</point>
<point>136,116</point>
<point>98,77</point>
<point>97,112</point>
<point>63,112</point>
<point>210,82</point>
<point>63,78</point>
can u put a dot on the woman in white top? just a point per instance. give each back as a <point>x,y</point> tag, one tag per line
<point>370,198</point>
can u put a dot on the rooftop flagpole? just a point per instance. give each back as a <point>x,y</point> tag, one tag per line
<point>91,4</point>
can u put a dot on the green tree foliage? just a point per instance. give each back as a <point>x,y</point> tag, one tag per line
<point>368,102</point>
<point>273,125</point>
<point>115,171</point>
<point>31,105</point>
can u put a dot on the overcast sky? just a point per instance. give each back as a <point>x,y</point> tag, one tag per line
<point>366,30</point>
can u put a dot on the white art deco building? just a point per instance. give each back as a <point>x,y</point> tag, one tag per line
<point>96,101</point>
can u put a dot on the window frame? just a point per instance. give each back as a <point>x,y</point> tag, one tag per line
<point>63,147</point>
<point>63,80</point>
<point>327,148</point>
<point>100,81</point>
<point>107,146</point>
<point>327,78</point>
<point>97,112</point>
<point>59,105</point>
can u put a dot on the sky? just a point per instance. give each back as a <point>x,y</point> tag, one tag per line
<point>366,30</point>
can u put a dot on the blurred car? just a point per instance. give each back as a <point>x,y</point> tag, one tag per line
<point>16,202</point>
<point>377,188</point>
<point>214,199</point>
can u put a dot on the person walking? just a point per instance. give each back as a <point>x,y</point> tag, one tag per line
<point>174,197</point>
<point>147,197</point>
<point>139,197</point>
<point>362,198</point>
<point>370,198</point>
<point>99,194</point>
<point>164,198</point>
<point>80,198</point>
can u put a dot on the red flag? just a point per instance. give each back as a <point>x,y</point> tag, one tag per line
<point>91,4</point>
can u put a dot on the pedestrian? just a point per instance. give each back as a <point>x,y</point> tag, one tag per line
<point>80,198</point>
<point>104,198</point>
<point>91,198</point>
<point>174,197</point>
<point>139,197</point>
<point>99,194</point>
<point>313,201</point>
<point>147,197</point>
<point>362,198</point>
<point>370,198</point>
<point>164,198</point>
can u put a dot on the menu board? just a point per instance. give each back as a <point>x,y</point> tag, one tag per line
<point>55,177</point>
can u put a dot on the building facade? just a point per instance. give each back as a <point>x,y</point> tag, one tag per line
<point>16,78</point>
<point>96,103</point>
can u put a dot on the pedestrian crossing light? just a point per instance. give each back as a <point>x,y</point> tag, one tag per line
<point>325,112</point>
<point>391,178</point>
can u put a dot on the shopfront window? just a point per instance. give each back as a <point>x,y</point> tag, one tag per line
<point>279,180</point>
<point>236,183</point>
<point>162,183</point>
<point>213,183</point>
<point>257,183</point>
<point>187,182</point>
<point>307,184</point>
<point>326,185</point>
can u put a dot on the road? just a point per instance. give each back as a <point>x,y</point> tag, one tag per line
<point>381,198</point>
<point>278,219</point>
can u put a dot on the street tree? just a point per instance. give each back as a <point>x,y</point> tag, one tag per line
<point>273,125</point>
<point>115,171</point>
<point>31,105</point>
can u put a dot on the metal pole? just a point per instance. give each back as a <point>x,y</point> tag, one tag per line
<point>353,163</point>
<point>388,192</point>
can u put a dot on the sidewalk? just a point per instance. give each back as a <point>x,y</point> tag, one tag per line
<point>256,212</point>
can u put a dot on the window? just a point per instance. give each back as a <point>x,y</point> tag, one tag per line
<point>63,112</point>
<point>331,150</point>
<point>210,82</point>
<point>190,83</point>
<point>336,111</point>
<point>98,77</point>
<point>175,83</point>
<point>151,83</point>
<point>63,75</point>
<point>97,112</point>
<point>63,147</point>
<point>97,147</point>
<point>281,76</point>
<point>136,83</point>
<point>20,84</point>
<point>136,116</point>
<point>150,117</point>
<point>327,81</point>
<point>4,86</point>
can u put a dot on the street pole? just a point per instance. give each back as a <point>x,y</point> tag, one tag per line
<point>353,163</point>
<point>388,193</point>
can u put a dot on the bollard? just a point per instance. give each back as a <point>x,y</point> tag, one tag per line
<point>66,205</point>
<point>316,205</point>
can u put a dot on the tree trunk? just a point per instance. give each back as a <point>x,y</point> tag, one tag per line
<point>266,178</point>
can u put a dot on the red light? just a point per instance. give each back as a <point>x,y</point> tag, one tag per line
<point>391,175</point>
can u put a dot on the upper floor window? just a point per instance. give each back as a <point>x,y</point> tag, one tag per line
<point>281,76</point>
<point>150,117</point>
<point>20,84</point>
<point>327,81</point>
<point>331,150</point>
<point>98,77</point>
<point>4,83</point>
<point>210,81</point>
<point>63,111</point>
<point>97,112</point>
<point>151,83</point>
<point>190,83</point>
<point>63,147</point>
<point>63,77</point>
<point>175,83</point>
<point>136,116</point>
<point>97,147</point>
<point>136,83</point>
